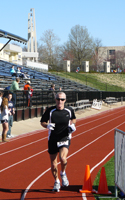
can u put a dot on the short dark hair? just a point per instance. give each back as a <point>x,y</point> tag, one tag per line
<point>17,79</point>
<point>9,92</point>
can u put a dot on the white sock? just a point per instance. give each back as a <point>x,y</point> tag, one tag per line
<point>62,173</point>
<point>58,181</point>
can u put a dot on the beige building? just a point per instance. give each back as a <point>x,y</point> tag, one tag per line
<point>14,54</point>
<point>114,54</point>
<point>11,53</point>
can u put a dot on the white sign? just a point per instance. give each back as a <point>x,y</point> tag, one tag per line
<point>59,144</point>
<point>96,104</point>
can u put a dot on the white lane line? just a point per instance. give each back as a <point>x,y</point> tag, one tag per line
<point>23,160</point>
<point>22,146</point>
<point>46,150</point>
<point>97,126</point>
<point>29,186</point>
<point>84,194</point>
<point>99,118</point>
<point>101,161</point>
<point>24,135</point>
<point>68,156</point>
<point>72,137</point>
<point>103,112</point>
<point>38,131</point>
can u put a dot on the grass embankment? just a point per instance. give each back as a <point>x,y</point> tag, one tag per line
<point>100,81</point>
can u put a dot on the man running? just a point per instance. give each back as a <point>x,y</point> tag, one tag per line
<point>60,120</point>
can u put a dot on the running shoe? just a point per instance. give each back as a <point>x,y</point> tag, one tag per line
<point>12,136</point>
<point>8,136</point>
<point>65,181</point>
<point>56,187</point>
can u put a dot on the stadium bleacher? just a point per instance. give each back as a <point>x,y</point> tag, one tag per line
<point>42,96</point>
<point>39,80</point>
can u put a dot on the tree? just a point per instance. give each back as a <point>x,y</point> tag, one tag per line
<point>120,59</point>
<point>66,53</point>
<point>49,48</point>
<point>96,58</point>
<point>24,48</point>
<point>80,44</point>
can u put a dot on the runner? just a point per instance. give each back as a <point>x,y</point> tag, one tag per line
<point>61,125</point>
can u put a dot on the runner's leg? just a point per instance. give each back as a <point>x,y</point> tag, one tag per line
<point>63,152</point>
<point>54,169</point>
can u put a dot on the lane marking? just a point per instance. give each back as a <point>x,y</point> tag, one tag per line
<point>17,137</point>
<point>84,194</point>
<point>101,161</point>
<point>23,146</point>
<point>101,118</point>
<point>39,131</point>
<point>30,185</point>
<point>68,156</point>
<point>23,160</point>
<point>98,126</point>
<point>72,136</point>
<point>101,113</point>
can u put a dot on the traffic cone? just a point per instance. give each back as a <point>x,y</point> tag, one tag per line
<point>103,188</point>
<point>87,187</point>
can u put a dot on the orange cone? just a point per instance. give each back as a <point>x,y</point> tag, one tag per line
<point>87,187</point>
<point>103,188</point>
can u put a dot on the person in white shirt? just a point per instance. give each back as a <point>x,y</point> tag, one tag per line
<point>4,118</point>
<point>1,95</point>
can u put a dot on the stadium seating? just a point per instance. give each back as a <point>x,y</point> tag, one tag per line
<point>42,96</point>
<point>39,80</point>
<point>110,100</point>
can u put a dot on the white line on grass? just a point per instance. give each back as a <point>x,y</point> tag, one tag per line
<point>84,194</point>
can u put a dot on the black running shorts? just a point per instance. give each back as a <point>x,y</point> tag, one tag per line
<point>53,146</point>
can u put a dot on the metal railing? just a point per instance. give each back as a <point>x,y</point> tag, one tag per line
<point>42,99</point>
<point>119,139</point>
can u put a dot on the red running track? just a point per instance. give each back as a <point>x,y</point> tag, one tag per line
<point>25,166</point>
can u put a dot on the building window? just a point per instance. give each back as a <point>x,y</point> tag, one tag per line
<point>111,52</point>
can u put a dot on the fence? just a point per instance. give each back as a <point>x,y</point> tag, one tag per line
<point>119,161</point>
<point>45,98</point>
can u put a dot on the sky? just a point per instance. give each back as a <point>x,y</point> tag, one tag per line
<point>104,19</point>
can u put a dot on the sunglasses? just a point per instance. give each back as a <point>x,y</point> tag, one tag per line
<point>60,99</point>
